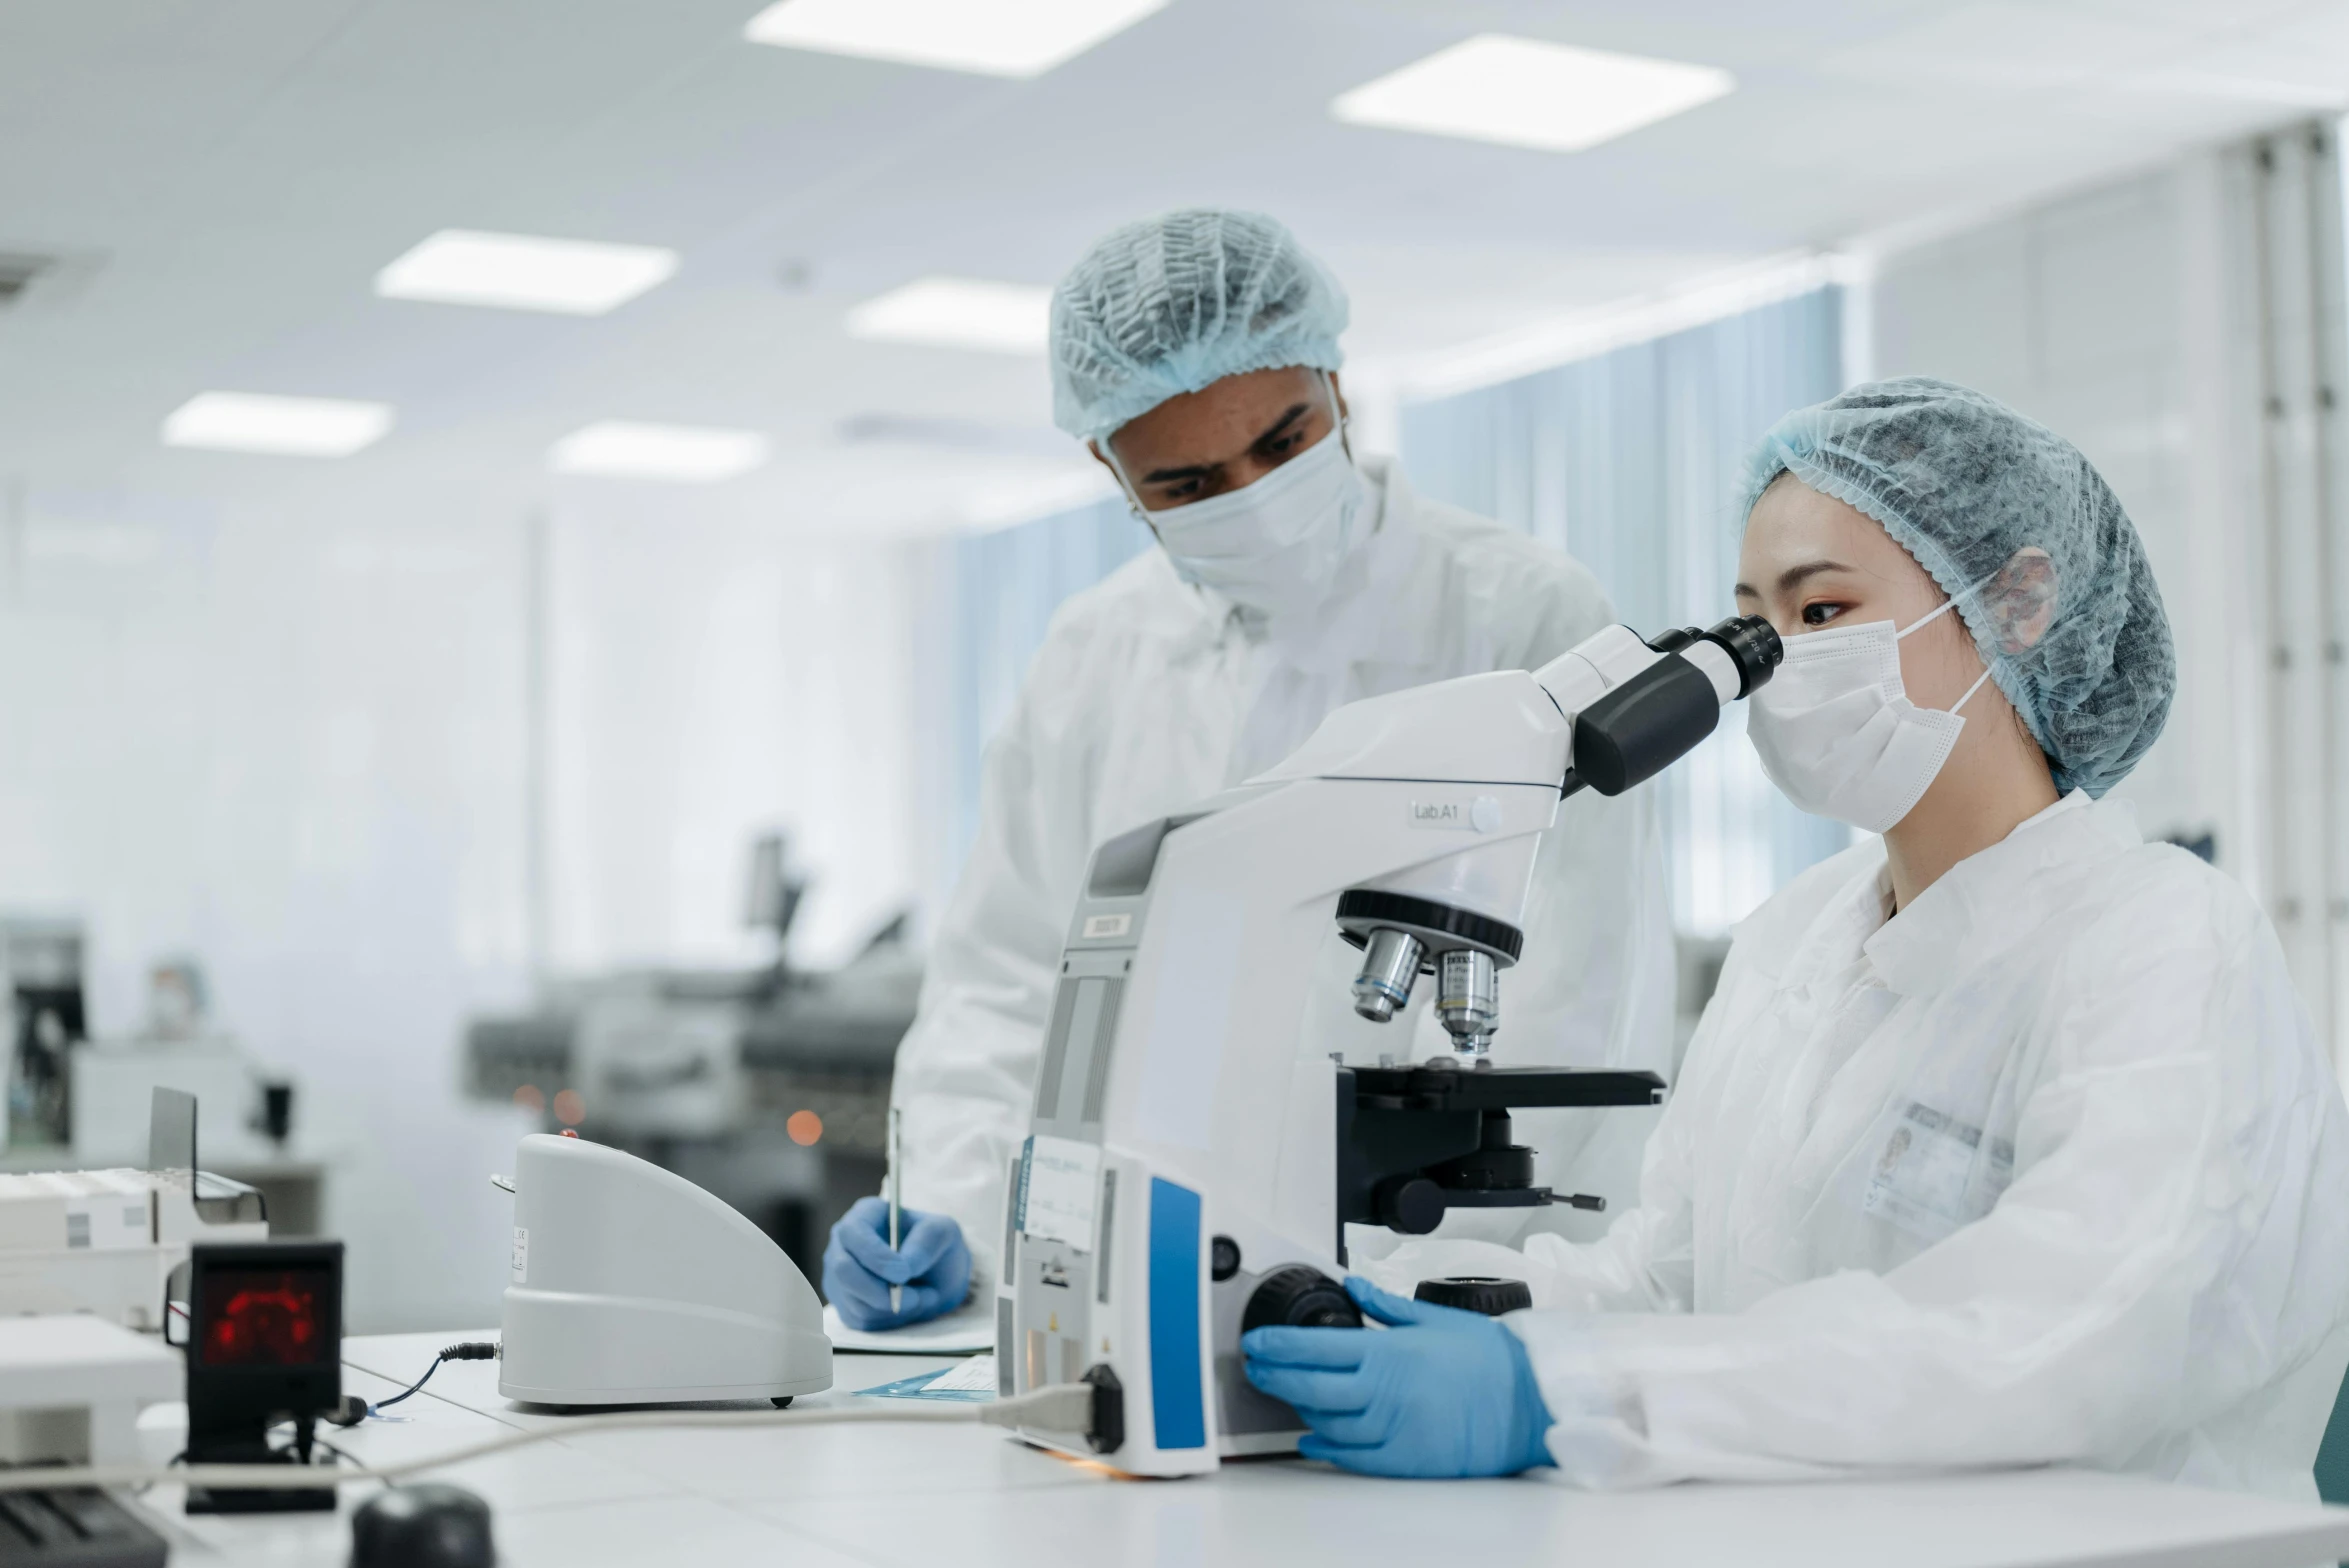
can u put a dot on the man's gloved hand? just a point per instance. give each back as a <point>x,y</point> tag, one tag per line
<point>932,1262</point>
<point>1441,1392</point>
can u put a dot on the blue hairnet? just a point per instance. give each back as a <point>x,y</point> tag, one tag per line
<point>1967,485</point>
<point>1167,305</point>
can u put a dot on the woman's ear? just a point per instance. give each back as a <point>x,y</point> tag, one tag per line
<point>2020,601</point>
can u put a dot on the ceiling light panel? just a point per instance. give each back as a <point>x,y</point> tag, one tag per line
<point>988,37</point>
<point>1524,92</point>
<point>525,272</point>
<point>282,426</point>
<point>681,454</point>
<point>1001,318</point>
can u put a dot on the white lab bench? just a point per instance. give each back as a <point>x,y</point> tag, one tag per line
<point>922,1496</point>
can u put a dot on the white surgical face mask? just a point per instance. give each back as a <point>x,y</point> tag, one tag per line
<point>1836,730</point>
<point>1274,546</point>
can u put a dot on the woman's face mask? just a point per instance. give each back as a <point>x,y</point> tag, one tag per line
<point>1274,546</point>
<point>1836,730</point>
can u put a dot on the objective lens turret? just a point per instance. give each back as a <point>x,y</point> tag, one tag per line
<point>1468,1000</point>
<point>1390,964</point>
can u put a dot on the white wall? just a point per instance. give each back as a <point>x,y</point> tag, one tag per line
<point>295,745</point>
<point>712,678</point>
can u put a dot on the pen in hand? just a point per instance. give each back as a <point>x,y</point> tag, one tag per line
<point>896,1181</point>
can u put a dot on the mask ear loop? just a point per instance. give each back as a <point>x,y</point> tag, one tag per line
<point>1970,690</point>
<point>1338,414</point>
<point>1948,605</point>
<point>1133,497</point>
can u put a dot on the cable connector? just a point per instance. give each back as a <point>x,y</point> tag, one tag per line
<point>1061,1407</point>
<point>1094,1408</point>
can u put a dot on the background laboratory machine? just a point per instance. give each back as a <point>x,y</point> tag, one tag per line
<point>766,1084</point>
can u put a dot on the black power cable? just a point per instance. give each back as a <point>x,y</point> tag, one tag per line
<point>468,1350</point>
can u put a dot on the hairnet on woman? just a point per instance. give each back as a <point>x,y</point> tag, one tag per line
<point>2004,1139</point>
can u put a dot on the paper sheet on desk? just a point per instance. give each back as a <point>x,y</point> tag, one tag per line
<point>970,1382</point>
<point>959,1333</point>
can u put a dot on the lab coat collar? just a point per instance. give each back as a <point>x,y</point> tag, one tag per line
<point>1996,898</point>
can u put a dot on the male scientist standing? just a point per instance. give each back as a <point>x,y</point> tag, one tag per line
<point>1196,354</point>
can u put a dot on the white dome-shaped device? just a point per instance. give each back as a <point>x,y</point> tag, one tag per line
<point>632,1286</point>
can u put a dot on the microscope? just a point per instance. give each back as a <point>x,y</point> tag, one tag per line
<point>1196,1147</point>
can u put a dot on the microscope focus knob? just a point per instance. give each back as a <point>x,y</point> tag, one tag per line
<point>1300,1296</point>
<point>1413,1205</point>
<point>1475,1293</point>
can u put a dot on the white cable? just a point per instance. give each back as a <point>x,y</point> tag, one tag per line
<point>1063,1407</point>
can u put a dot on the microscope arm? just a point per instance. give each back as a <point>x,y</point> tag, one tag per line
<point>1631,709</point>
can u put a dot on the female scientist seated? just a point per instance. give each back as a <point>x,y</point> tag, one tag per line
<point>2005,1139</point>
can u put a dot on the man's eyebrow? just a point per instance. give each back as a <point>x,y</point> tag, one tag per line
<point>1296,412</point>
<point>1793,576</point>
<point>1160,476</point>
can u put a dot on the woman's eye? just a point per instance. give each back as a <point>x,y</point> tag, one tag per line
<point>1820,614</point>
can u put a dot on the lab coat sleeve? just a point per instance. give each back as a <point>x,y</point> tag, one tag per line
<point>966,1069</point>
<point>2123,1286</point>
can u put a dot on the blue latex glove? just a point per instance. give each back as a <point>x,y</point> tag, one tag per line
<point>1440,1393</point>
<point>932,1262</point>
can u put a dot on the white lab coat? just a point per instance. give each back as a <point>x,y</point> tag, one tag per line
<point>1149,695</point>
<point>2049,1167</point>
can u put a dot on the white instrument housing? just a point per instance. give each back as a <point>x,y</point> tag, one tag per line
<point>632,1286</point>
<point>72,1387</point>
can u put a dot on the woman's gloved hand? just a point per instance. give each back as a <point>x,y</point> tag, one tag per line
<point>1440,1393</point>
<point>932,1262</point>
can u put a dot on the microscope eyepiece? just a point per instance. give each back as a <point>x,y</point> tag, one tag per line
<point>1752,643</point>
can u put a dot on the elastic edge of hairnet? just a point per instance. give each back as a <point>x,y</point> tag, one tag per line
<point>1325,355</point>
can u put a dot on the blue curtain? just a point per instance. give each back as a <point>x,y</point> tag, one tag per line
<point>1003,589</point>
<point>1629,461</point>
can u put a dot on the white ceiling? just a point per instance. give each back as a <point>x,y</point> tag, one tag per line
<point>223,178</point>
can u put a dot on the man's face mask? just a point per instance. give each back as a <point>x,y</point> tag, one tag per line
<point>1274,546</point>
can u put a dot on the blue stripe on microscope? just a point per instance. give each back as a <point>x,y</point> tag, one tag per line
<point>1177,1398</point>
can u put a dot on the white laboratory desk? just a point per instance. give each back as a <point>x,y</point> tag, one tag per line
<point>969,1496</point>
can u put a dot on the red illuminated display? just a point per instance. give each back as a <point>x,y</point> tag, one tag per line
<point>262,1317</point>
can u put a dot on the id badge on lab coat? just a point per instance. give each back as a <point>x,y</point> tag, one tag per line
<point>1934,1173</point>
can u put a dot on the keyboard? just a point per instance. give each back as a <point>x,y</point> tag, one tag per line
<point>74,1527</point>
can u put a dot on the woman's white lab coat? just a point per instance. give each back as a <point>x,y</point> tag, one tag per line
<point>2048,1167</point>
